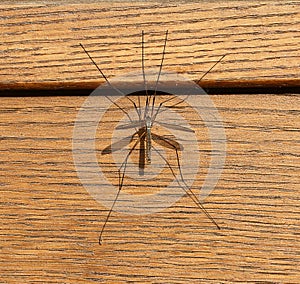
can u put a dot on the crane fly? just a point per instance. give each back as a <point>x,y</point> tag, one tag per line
<point>143,134</point>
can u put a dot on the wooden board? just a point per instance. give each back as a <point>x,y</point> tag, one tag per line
<point>50,224</point>
<point>40,42</point>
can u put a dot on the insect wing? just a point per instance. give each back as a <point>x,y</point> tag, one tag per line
<point>133,124</point>
<point>174,126</point>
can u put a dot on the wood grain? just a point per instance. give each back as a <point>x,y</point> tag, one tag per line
<point>50,224</point>
<point>40,42</point>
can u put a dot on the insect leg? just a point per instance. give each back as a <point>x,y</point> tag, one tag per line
<point>183,100</point>
<point>143,70</point>
<point>111,85</point>
<point>159,73</point>
<point>121,181</point>
<point>187,190</point>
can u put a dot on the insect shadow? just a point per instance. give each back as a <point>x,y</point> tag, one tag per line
<point>143,135</point>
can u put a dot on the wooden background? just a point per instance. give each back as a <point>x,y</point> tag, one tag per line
<point>50,224</point>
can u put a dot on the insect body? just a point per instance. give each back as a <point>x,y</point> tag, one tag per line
<point>143,133</point>
<point>148,138</point>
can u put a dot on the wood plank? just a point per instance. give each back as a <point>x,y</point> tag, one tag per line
<point>40,42</point>
<point>50,224</point>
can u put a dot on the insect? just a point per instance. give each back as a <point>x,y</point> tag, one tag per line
<point>147,108</point>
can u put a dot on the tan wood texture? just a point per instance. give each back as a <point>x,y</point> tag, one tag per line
<point>40,42</point>
<point>50,224</point>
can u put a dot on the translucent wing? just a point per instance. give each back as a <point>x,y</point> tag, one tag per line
<point>119,144</point>
<point>166,142</point>
<point>133,124</point>
<point>174,126</point>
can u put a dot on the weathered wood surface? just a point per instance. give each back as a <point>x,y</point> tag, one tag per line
<point>40,42</point>
<point>50,224</point>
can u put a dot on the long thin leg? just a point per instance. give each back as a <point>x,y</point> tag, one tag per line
<point>121,180</point>
<point>159,107</point>
<point>159,73</point>
<point>183,100</point>
<point>143,70</point>
<point>103,75</point>
<point>162,61</point>
<point>187,190</point>
<point>124,164</point>
<point>193,194</point>
<point>108,82</point>
<point>211,68</point>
